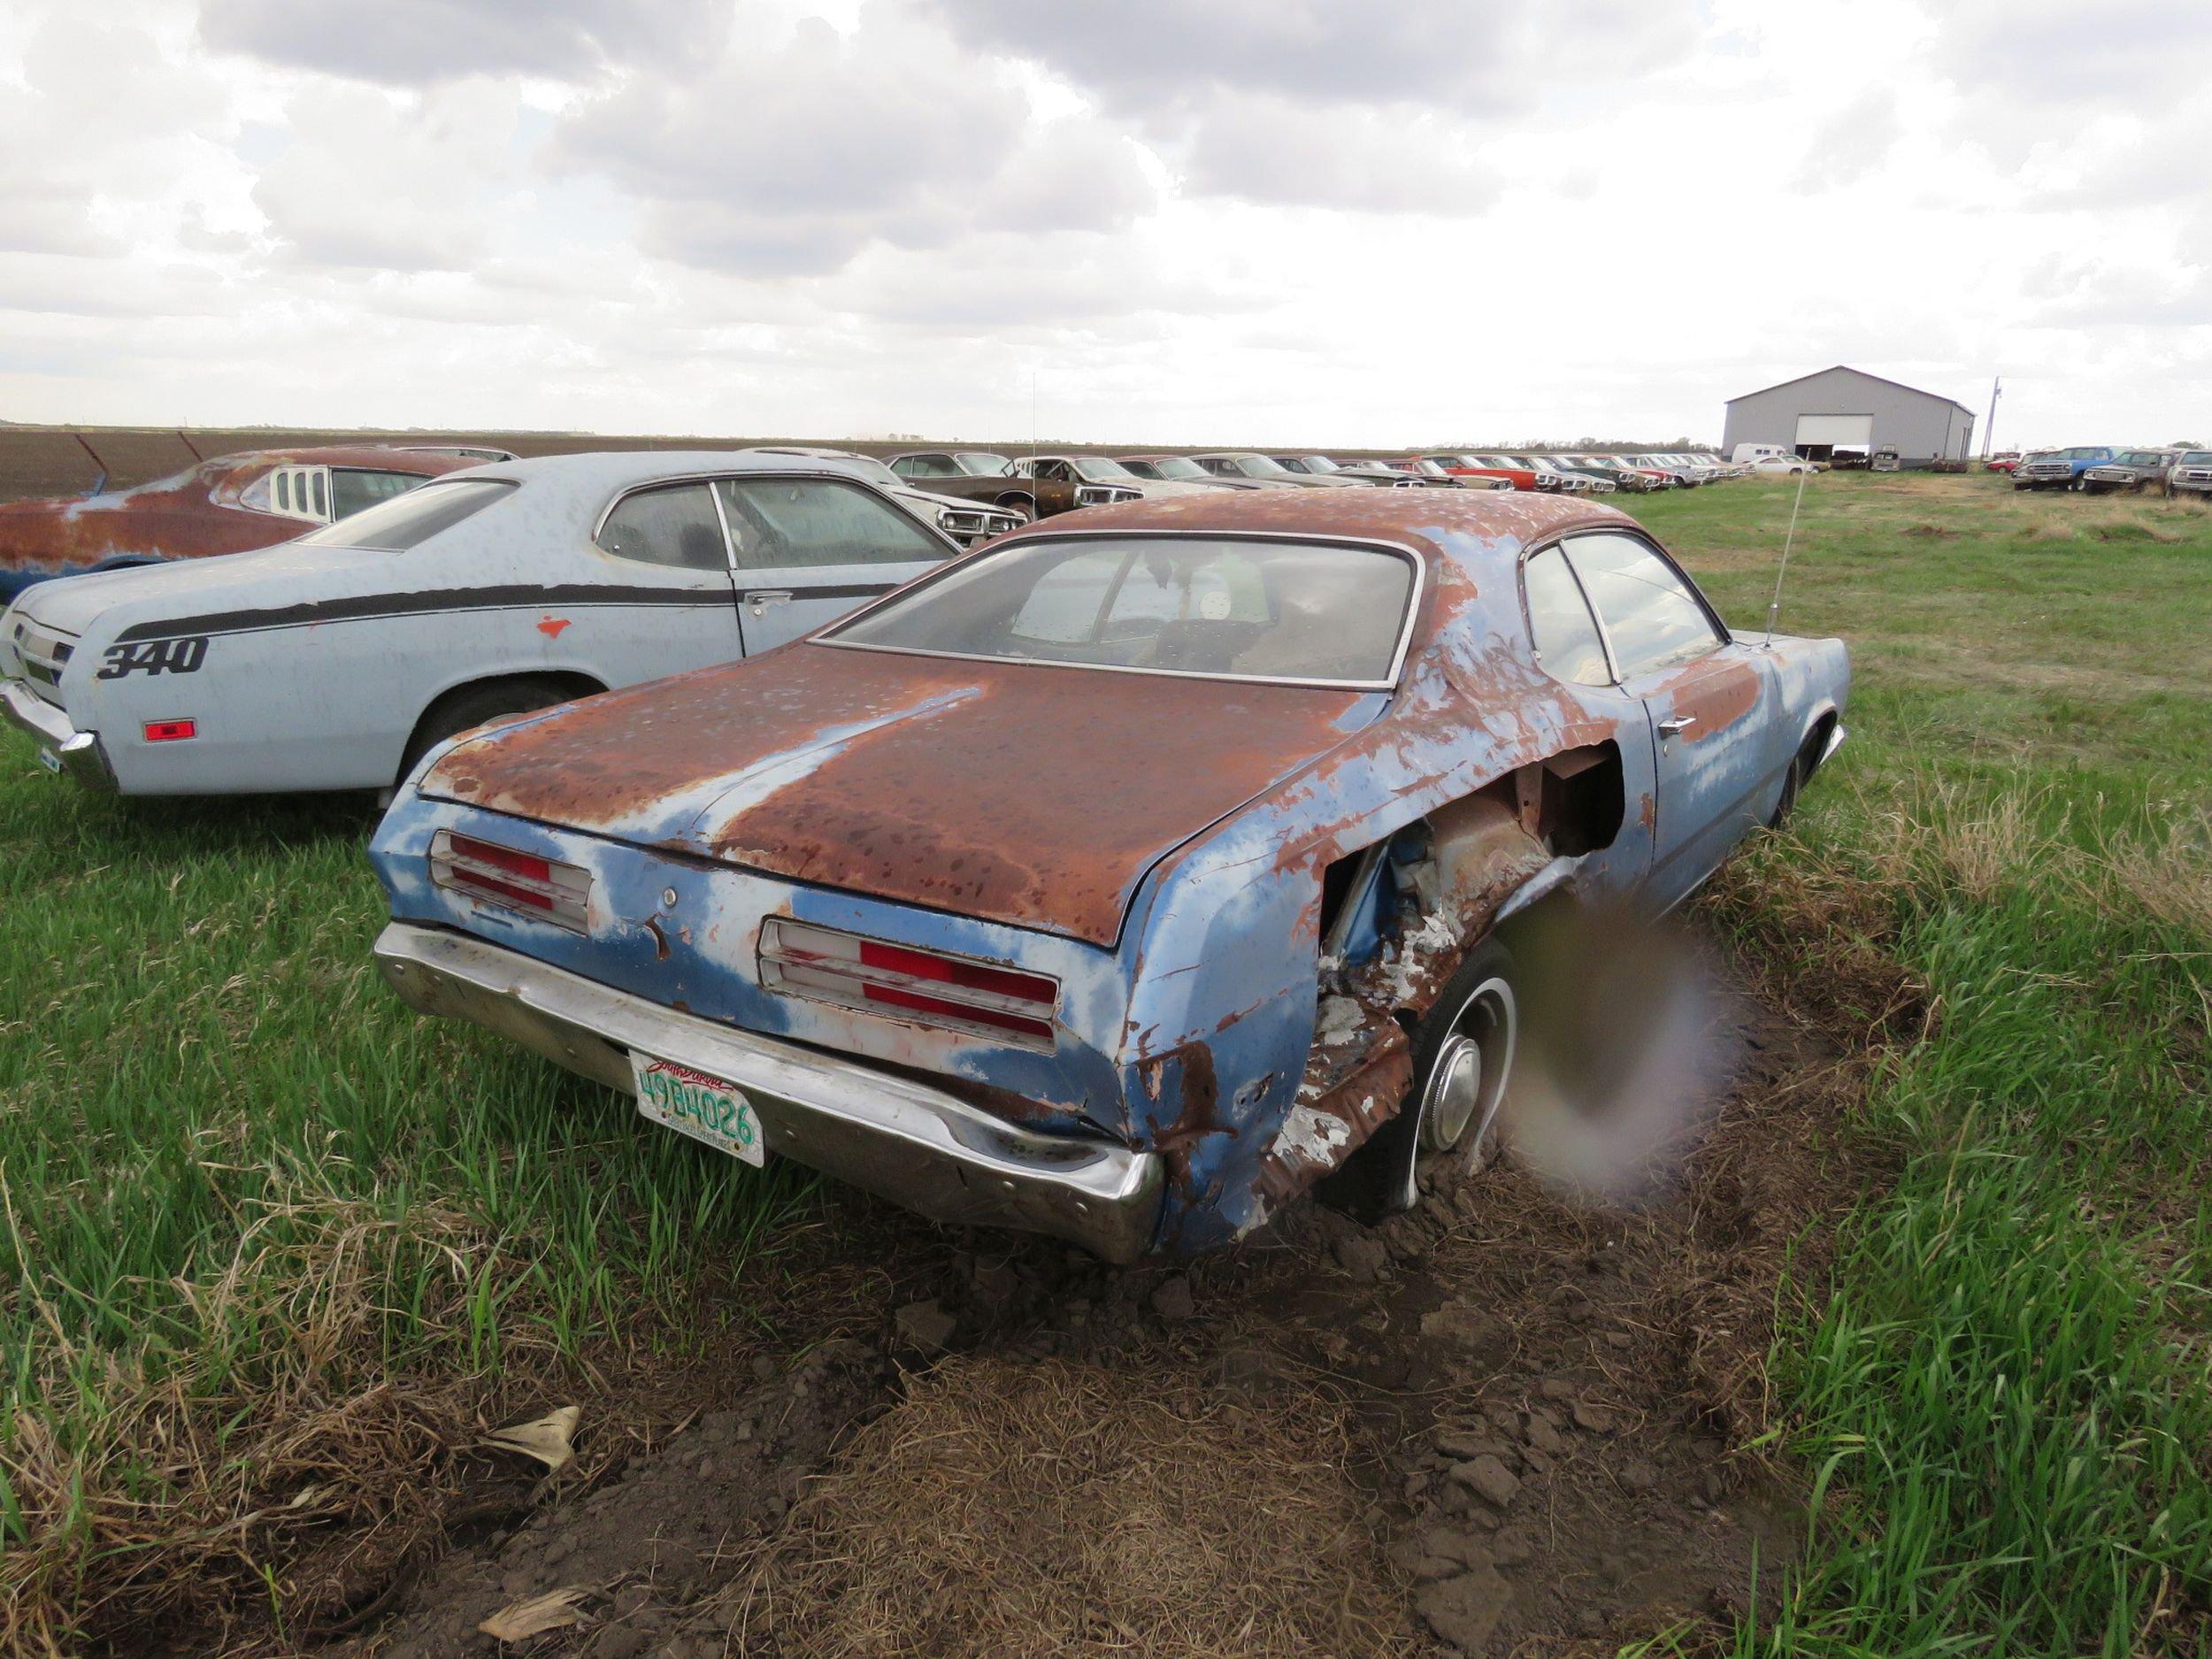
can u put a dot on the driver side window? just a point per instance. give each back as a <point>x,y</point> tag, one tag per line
<point>1653,617</point>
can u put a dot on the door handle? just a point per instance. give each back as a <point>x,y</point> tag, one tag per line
<point>760,602</point>
<point>1675,725</point>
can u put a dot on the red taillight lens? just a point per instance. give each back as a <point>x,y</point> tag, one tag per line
<point>938,988</point>
<point>974,976</point>
<point>484,870</point>
<point>171,731</point>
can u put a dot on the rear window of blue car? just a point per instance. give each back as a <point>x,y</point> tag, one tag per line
<point>407,521</point>
<point>1216,607</point>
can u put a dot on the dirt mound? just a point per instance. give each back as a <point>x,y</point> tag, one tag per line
<point>1014,1508</point>
<point>1511,1422</point>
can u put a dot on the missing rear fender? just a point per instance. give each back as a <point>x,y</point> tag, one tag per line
<point>1398,918</point>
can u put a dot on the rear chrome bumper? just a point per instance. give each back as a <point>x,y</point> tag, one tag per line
<point>906,1142</point>
<point>79,753</point>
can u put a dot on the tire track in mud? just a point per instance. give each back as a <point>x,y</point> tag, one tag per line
<point>1528,1408</point>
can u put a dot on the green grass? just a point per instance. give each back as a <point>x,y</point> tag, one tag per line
<point>243,1186</point>
<point>2004,1399</point>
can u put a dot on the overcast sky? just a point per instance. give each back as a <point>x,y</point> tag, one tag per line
<point>1177,220</point>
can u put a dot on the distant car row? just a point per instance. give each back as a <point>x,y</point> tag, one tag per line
<point>1038,485</point>
<point>2101,469</point>
<point>235,504</point>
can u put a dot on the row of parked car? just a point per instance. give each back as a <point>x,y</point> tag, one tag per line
<point>1120,880</point>
<point>2103,469</point>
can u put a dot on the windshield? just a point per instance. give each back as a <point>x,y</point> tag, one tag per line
<point>983,463</point>
<point>1318,464</point>
<point>2087,455</point>
<point>2197,457</point>
<point>407,521</point>
<point>1257,466</point>
<point>1214,606</point>
<point>2139,457</point>
<point>1175,466</point>
<point>1098,470</point>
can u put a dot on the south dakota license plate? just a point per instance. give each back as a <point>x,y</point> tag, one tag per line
<point>704,1108</point>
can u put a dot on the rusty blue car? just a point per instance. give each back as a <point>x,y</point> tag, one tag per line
<point>1126,879</point>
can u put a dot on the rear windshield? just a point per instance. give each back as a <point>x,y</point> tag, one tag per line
<point>407,521</point>
<point>1292,611</point>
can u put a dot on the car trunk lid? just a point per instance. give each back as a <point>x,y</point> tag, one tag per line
<point>1034,795</point>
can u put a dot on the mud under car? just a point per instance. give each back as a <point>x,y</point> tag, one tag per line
<point>333,662</point>
<point>230,504</point>
<point>1126,878</point>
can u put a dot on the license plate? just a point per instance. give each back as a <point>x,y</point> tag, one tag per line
<point>50,761</point>
<point>705,1108</point>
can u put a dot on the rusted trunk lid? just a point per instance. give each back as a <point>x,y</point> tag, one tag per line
<point>1032,795</point>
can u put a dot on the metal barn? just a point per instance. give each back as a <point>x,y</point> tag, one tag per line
<point>1843,410</point>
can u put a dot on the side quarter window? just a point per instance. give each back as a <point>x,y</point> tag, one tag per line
<point>780,522</point>
<point>674,525</point>
<point>1559,622</point>
<point>1652,615</point>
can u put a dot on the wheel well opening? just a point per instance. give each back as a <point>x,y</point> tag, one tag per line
<point>565,685</point>
<point>1815,744</point>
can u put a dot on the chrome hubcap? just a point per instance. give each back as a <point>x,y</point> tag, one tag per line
<point>1467,1084</point>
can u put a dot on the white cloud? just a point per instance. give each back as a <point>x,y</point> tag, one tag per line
<point>1240,220</point>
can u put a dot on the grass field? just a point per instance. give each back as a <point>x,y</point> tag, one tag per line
<point>263,1231</point>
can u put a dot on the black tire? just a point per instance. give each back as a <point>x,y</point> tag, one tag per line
<point>1478,1005</point>
<point>1024,511</point>
<point>1793,783</point>
<point>473,705</point>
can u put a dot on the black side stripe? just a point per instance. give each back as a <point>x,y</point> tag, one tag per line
<point>443,601</point>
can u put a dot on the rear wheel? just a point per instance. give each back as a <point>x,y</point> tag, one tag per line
<point>473,705</point>
<point>1463,1066</point>
<point>1024,511</point>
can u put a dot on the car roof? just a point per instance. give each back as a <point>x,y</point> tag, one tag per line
<point>1469,528</point>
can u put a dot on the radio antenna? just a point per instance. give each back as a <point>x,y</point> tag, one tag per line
<point>1774,607</point>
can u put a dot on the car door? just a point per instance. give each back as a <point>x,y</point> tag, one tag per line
<point>668,601</point>
<point>1570,648</point>
<point>1717,748</point>
<point>809,550</point>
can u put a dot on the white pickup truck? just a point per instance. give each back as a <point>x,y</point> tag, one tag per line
<point>338,660</point>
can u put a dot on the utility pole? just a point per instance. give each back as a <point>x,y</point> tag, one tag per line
<point>1989,426</point>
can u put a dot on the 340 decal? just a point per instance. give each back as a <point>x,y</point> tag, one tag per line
<point>179,655</point>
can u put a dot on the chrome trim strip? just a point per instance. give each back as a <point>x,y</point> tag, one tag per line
<point>79,752</point>
<point>905,1140</point>
<point>1076,533</point>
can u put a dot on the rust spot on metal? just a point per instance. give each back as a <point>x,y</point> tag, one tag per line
<point>1717,695</point>
<point>1340,1105</point>
<point>1199,1112</point>
<point>660,940</point>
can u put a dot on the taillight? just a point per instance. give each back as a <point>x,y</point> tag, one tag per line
<point>552,892</point>
<point>928,985</point>
<point>171,731</point>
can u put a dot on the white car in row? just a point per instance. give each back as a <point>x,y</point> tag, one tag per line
<point>338,660</point>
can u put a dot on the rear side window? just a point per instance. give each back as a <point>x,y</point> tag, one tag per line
<point>783,522</point>
<point>409,521</point>
<point>675,525</point>
<point>1651,614</point>
<point>355,489</point>
<point>1559,622</point>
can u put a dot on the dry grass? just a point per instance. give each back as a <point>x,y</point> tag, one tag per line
<point>249,1476</point>
<point>1015,1509</point>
